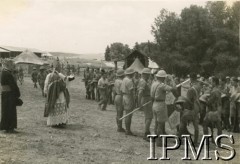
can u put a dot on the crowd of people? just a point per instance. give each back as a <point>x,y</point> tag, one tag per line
<point>208,102</point>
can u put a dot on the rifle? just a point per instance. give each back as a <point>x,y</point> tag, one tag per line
<point>136,109</point>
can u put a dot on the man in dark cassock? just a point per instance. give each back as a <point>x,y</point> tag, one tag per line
<point>9,97</point>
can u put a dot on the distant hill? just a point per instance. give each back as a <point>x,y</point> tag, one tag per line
<point>97,56</point>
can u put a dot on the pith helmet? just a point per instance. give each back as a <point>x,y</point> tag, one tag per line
<point>146,71</point>
<point>161,73</point>
<point>129,71</point>
<point>120,72</point>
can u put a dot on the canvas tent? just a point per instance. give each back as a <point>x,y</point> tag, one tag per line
<point>28,60</point>
<point>28,57</point>
<point>137,66</point>
<point>134,55</point>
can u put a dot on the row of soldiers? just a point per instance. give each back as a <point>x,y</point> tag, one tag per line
<point>91,78</point>
<point>210,102</point>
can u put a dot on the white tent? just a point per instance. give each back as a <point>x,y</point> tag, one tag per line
<point>152,64</point>
<point>28,57</point>
<point>137,66</point>
<point>47,54</point>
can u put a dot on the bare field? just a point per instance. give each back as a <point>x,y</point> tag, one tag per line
<point>90,136</point>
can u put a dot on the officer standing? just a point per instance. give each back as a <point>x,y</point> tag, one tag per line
<point>213,116</point>
<point>158,94</point>
<point>144,97</point>
<point>193,94</point>
<point>102,86</point>
<point>118,101</point>
<point>127,89</point>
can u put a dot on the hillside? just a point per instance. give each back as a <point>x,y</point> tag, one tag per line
<point>97,56</point>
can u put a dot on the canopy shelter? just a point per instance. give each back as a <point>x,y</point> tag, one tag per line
<point>134,55</point>
<point>137,66</point>
<point>47,54</point>
<point>4,53</point>
<point>28,57</point>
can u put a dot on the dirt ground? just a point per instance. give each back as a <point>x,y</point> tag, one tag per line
<point>90,136</point>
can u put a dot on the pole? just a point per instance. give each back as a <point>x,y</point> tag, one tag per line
<point>183,83</point>
<point>134,110</point>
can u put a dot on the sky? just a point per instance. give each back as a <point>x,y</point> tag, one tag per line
<point>80,26</point>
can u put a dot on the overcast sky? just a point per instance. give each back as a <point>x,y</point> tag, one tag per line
<point>80,26</point>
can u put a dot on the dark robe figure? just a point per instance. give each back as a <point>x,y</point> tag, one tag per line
<point>10,94</point>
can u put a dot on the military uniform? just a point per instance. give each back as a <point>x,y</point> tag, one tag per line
<point>34,78</point>
<point>193,114</point>
<point>213,116</point>
<point>86,80</point>
<point>110,87</point>
<point>225,98</point>
<point>91,84</point>
<point>118,101</point>
<point>144,90</point>
<point>234,108</point>
<point>96,78</point>
<point>160,113</point>
<point>41,79</point>
<point>102,86</point>
<point>136,82</point>
<point>127,88</point>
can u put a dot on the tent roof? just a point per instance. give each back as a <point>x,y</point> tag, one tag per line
<point>152,64</point>
<point>20,49</point>
<point>2,50</point>
<point>47,54</point>
<point>136,52</point>
<point>137,66</point>
<point>28,57</point>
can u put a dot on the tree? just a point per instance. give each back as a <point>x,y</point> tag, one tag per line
<point>201,39</point>
<point>107,54</point>
<point>117,51</point>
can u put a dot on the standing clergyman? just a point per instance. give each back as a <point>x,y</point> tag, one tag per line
<point>58,97</point>
<point>10,94</point>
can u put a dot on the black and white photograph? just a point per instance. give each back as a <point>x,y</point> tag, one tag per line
<point>119,81</point>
